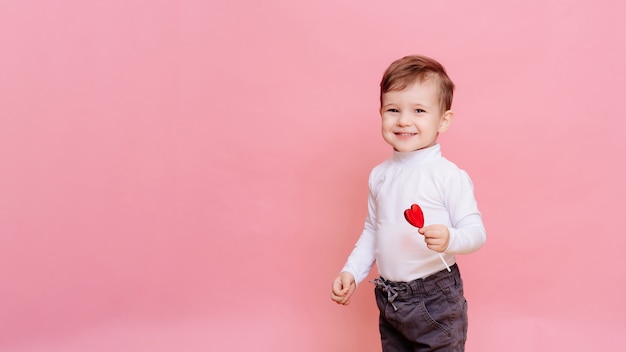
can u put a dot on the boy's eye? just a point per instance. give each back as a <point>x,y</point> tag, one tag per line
<point>392,110</point>
<point>420,110</point>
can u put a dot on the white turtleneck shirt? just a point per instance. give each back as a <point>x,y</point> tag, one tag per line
<point>446,195</point>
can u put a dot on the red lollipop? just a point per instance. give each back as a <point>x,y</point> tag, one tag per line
<point>415,216</point>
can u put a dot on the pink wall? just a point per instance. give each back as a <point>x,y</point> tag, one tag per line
<point>191,175</point>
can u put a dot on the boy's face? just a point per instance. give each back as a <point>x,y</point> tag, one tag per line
<point>411,118</point>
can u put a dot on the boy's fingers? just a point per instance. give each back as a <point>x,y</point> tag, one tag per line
<point>340,288</point>
<point>346,299</point>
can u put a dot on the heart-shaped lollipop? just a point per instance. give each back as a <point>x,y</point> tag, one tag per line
<point>415,216</point>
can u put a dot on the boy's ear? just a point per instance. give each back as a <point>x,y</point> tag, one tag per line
<point>446,121</point>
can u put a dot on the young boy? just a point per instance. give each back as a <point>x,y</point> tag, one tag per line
<point>421,302</point>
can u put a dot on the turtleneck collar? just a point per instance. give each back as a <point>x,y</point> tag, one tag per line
<point>418,156</point>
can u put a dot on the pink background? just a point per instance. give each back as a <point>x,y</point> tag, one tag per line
<point>191,175</point>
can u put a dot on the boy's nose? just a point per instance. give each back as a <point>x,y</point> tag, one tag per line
<point>403,120</point>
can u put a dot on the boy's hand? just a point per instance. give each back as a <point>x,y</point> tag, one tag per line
<point>343,288</point>
<point>437,237</point>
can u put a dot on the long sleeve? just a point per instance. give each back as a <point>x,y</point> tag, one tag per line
<point>363,255</point>
<point>467,233</point>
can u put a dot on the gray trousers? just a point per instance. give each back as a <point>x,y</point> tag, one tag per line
<point>427,314</point>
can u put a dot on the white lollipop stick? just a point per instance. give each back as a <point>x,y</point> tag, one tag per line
<point>444,262</point>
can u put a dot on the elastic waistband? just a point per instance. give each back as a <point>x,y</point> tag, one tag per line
<point>437,282</point>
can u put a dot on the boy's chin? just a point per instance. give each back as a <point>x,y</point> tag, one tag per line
<point>405,150</point>
<point>409,149</point>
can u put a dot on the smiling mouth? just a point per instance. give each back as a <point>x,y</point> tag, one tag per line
<point>405,134</point>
